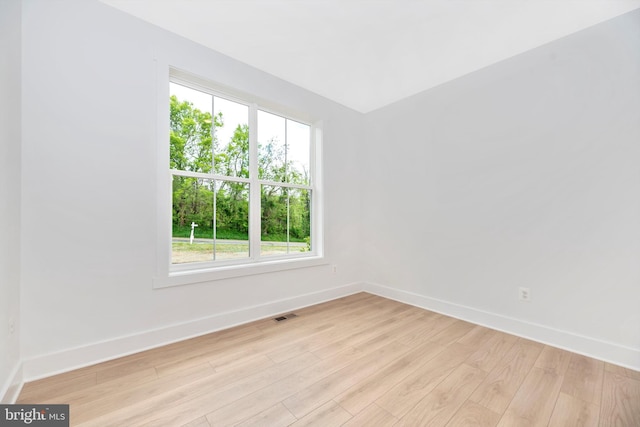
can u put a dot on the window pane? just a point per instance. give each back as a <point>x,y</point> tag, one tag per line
<point>298,148</point>
<point>273,231</point>
<point>271,146</point>
<point>300,220</point>
<point>231,145</point>
<point>196,237</point>
<point>232,220</point>
<point>190,129</point>
<point>192,234</point>
<point>285,220</point>
<point>283,149</point>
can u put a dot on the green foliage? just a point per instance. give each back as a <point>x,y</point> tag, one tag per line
<point>234,160</point>
<point>191,143</point>
<point>285,212</point>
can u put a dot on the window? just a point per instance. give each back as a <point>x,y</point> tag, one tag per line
<point>244,182</point>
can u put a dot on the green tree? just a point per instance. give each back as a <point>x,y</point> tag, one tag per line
<point>191,142</point>
<point>192,148</point>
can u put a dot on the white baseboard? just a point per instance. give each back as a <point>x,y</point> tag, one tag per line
<point>74,358</point>
<point>10,391</point>
<point>587,346</point>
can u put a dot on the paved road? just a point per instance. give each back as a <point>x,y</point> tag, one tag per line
<point>237,242</point>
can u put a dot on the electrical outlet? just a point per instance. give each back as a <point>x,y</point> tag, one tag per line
<point>524,294</point>
<point>334,268</point>
<point>12,326</point>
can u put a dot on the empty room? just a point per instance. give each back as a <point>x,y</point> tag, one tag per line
<point>359,213</point>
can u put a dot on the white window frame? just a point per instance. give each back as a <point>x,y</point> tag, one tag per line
<point>168,274</point>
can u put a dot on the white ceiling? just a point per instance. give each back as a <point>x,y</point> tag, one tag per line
<point>366,54</point>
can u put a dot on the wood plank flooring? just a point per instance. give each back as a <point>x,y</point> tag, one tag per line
<point>361,360</point>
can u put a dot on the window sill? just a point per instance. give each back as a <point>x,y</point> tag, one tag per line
<point>178,278</point>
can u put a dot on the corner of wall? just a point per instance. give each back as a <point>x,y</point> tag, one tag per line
<point>566,340</point>
<point>11,390</point>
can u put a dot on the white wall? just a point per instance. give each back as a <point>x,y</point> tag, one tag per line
<point>525,173</point>
<point>521,174</point>
<point>10,47</point>
<point>89,190</point>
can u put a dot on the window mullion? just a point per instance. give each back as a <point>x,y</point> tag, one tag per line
<point>285,184</point>
<point>215,218</point>
<point>254,186</point>
<point>213,135</point>
<point>316,182</point>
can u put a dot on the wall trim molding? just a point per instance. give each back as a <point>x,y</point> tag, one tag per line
<point>576,343</point>
<point>11,389</point>
<point>74,358</point>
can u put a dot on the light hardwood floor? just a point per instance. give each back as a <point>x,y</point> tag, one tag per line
<point>361,360</point>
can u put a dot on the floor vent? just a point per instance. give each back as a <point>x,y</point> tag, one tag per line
<point>285,317</point>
